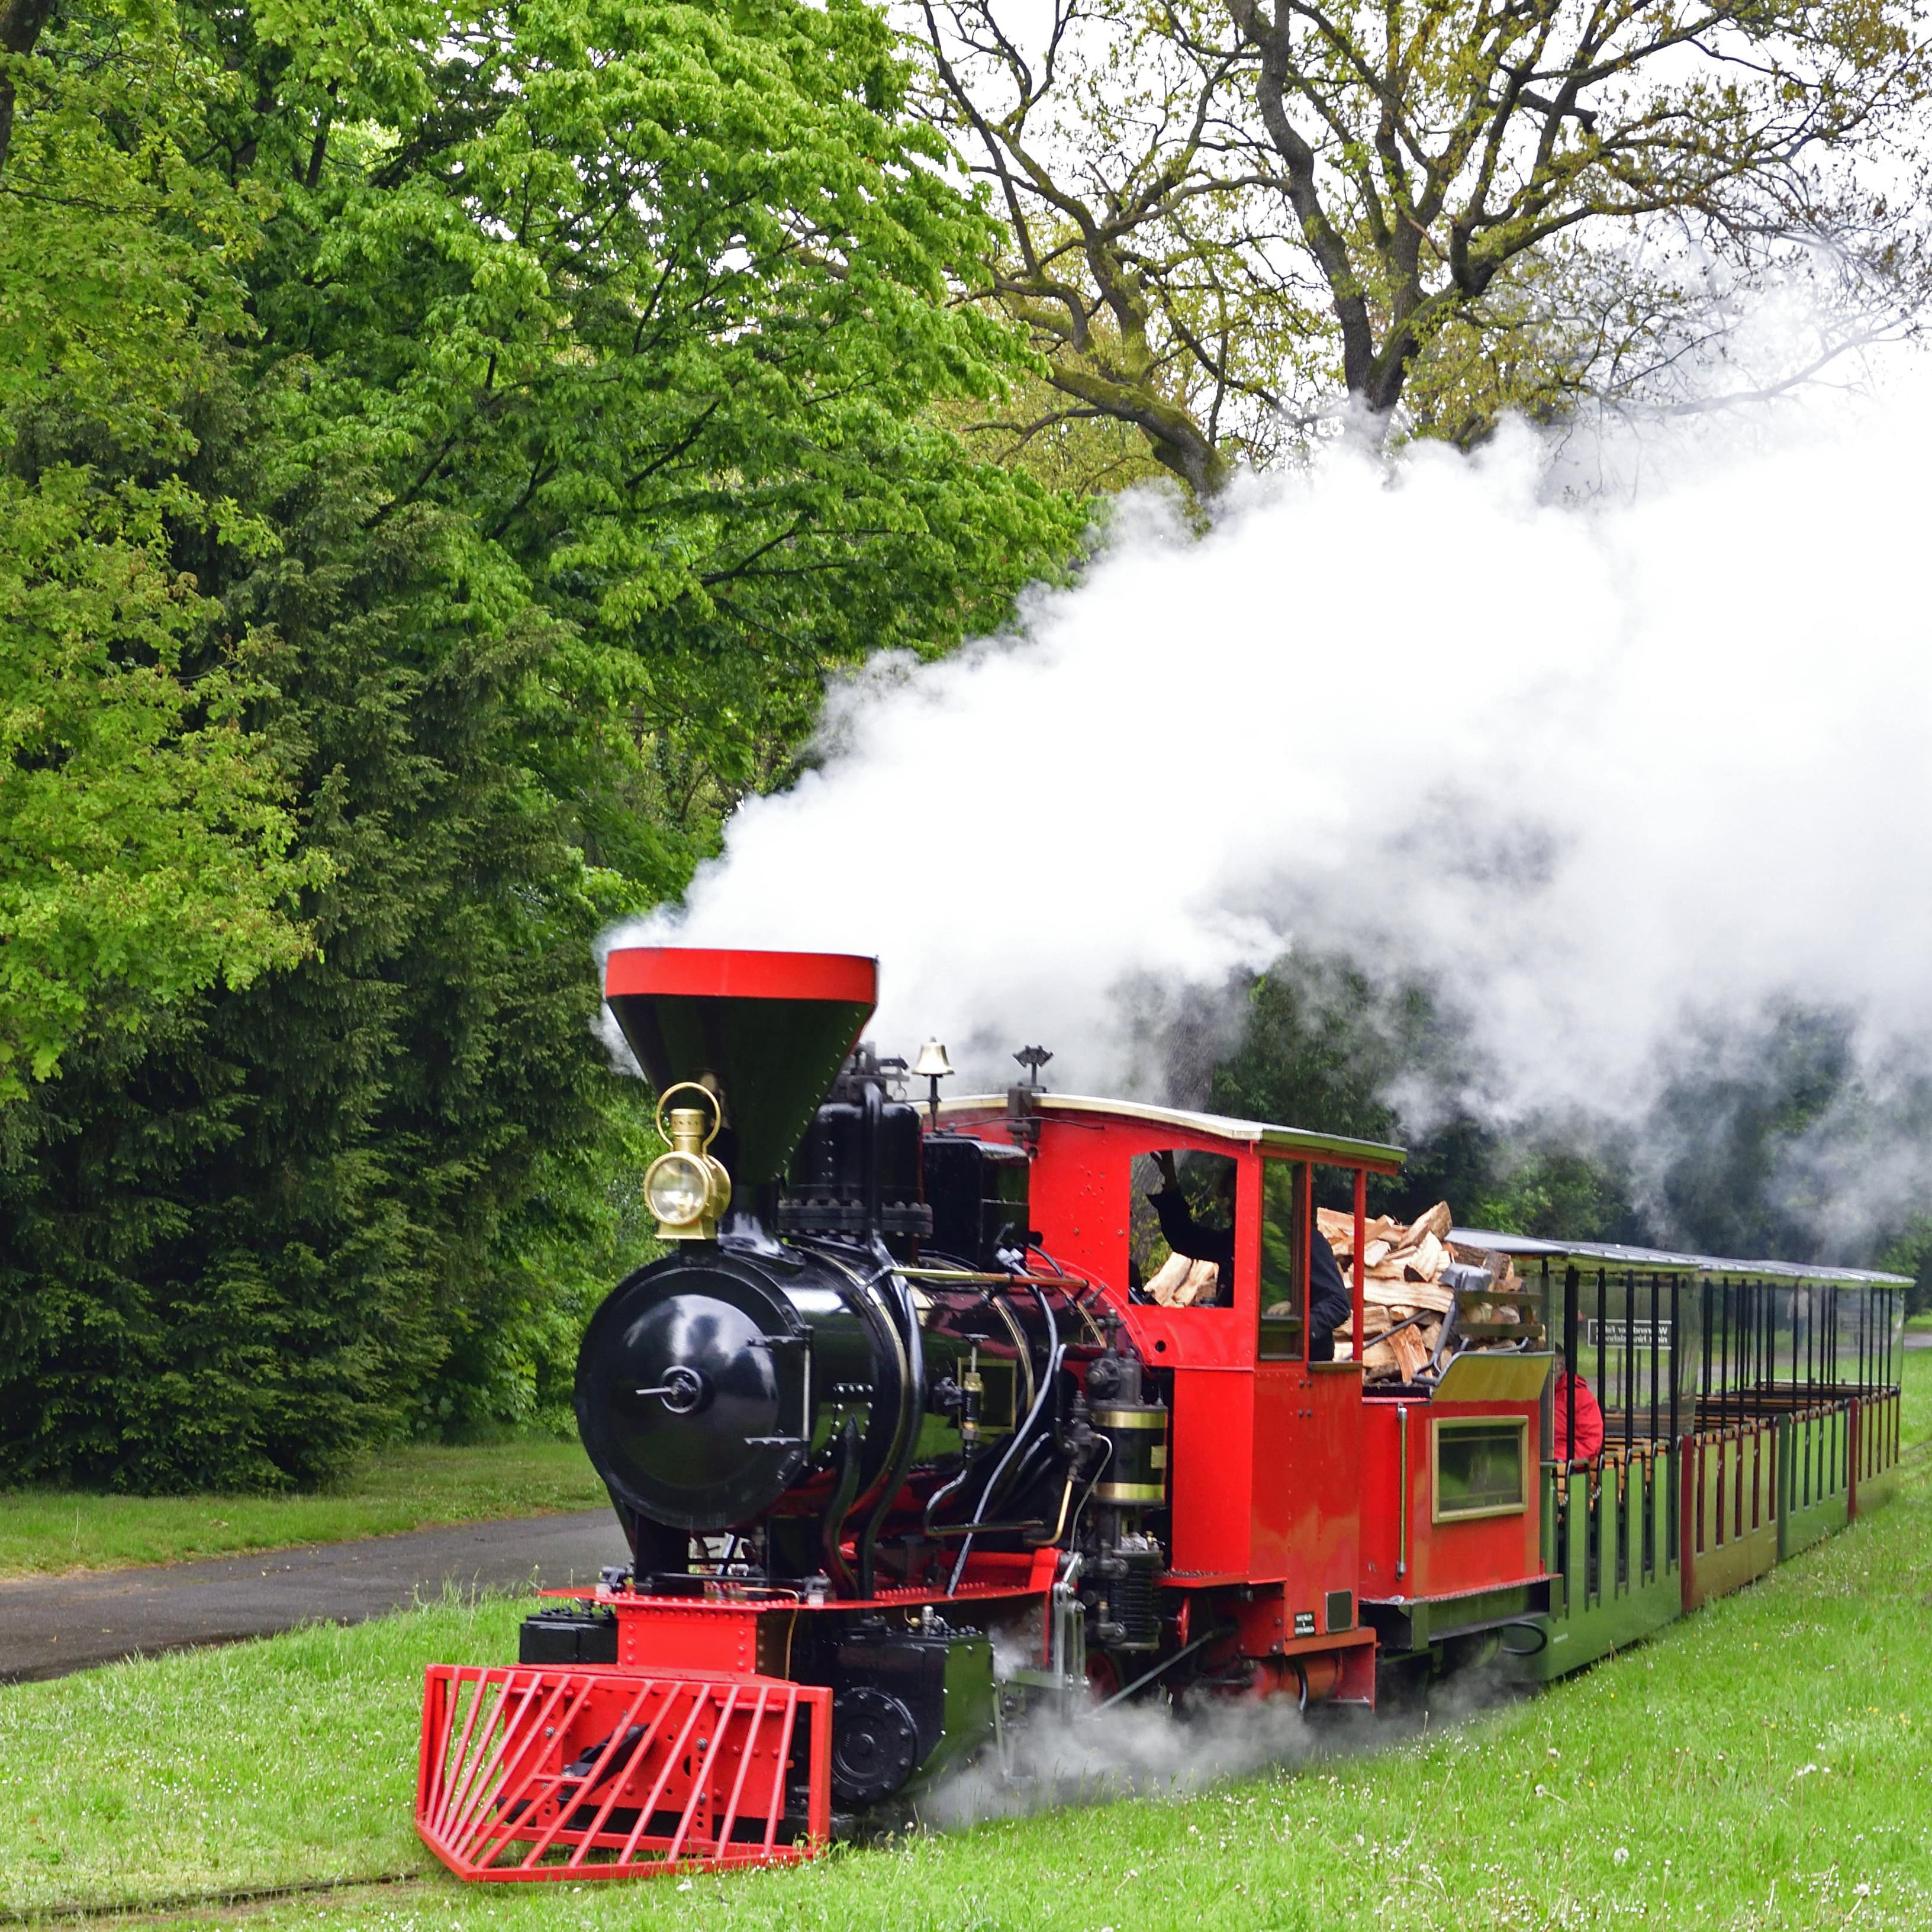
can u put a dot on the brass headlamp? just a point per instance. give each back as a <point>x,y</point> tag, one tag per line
<point>687,1188</point>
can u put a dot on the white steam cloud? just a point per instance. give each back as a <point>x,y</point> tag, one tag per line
<point>1600,774</point>
<point>1142,1751</point>
<point>1152,1750</point>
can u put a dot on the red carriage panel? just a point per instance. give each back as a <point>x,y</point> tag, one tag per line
<point>1417,1542</point>
<point>1306,1486</point>
<point>1213,1424</point>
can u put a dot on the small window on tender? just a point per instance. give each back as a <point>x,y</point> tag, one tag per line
<point>1480,1468</point>
<point>1180,1230</point>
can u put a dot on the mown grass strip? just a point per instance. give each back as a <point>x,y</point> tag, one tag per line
<point>285,1762</point>
<point>192,1903</point>
<point>1764,1765</point>
<point>49,1531</point>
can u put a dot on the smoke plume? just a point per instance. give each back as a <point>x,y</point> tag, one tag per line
<point>1609,776</point>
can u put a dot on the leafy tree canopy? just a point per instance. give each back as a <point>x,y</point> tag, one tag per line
<point>145,836</point>
<point>458,439</point>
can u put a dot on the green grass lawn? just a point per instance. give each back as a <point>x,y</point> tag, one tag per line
<point>1915,1386</point>
<point>43,1530</point>
<point>1765,1765</point>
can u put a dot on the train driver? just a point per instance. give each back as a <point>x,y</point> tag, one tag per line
<point>1330,1303</point>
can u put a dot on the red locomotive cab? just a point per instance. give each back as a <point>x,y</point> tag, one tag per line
<point>1264,1476</point>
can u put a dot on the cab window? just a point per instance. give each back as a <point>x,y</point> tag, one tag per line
<point>1180,1229</point>
<point>1284,1290</point>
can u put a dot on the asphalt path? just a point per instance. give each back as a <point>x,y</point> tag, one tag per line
<point>50,1626</point>
<point>1919,1339</point>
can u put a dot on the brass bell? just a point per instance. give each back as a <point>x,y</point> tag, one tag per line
<point>932,1063</point>
<point>932,1066</point>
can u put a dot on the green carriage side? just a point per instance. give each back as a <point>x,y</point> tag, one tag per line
<point>1750,1408</point>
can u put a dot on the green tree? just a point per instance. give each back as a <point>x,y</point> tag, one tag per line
<point>144,834</point>
<point>1324,1046</point>
<point>1910,1253</point>
<point>1557,1193</point>
<point>583,380</point>
<point>241,1250</point>
<point>145,837</point>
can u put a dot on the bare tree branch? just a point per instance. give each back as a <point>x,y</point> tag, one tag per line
<point>1221,211</point>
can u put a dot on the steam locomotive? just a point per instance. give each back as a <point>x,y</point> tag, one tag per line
<point>905,1453</point>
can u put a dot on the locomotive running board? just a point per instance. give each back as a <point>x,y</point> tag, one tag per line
<point>528,1772</point>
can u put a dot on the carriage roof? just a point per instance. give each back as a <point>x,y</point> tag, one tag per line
<point>1667,1261</point>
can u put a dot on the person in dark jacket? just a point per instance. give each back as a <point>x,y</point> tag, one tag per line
<point>1330,1302</point>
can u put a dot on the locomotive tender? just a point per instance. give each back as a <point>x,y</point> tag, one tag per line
<point>902,1450</point>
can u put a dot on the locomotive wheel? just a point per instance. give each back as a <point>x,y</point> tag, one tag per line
<point>1103,1676</point>
<point>874,1745</point>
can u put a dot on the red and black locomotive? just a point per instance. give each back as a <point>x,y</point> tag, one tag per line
<point>903,1446</point>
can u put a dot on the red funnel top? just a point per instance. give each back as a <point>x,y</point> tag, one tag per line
<point>771,1029</point>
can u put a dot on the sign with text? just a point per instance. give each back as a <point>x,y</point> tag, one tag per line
<point>1642,1334</point>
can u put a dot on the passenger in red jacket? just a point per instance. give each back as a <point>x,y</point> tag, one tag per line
<point>1589,1420</point>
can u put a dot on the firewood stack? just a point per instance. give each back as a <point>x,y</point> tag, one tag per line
<point>1406,1297</point>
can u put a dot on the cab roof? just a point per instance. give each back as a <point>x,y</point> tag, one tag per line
<point>1212,1127</point>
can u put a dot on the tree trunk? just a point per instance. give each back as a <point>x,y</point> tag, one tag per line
<point>22,23</point>
<point>1175,439</point>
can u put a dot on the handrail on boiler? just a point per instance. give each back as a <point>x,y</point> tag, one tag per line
<point>989,1278</point>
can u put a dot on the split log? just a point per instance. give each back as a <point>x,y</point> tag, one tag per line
<point>1181,1282</point>
<point>1202,1287</point>
<point>1385,1292</point>
<point>1426,1262</point>
<point>1376,1322</point>
<point>1380,1234</point>
<point>1437,1222</point>
<point>1379,1358</point>
<point>1410,1352</point>
<point>1167,1278</point>
<point>1402,1350</point>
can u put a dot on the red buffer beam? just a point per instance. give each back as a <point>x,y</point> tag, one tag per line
<point>531,1774</point>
